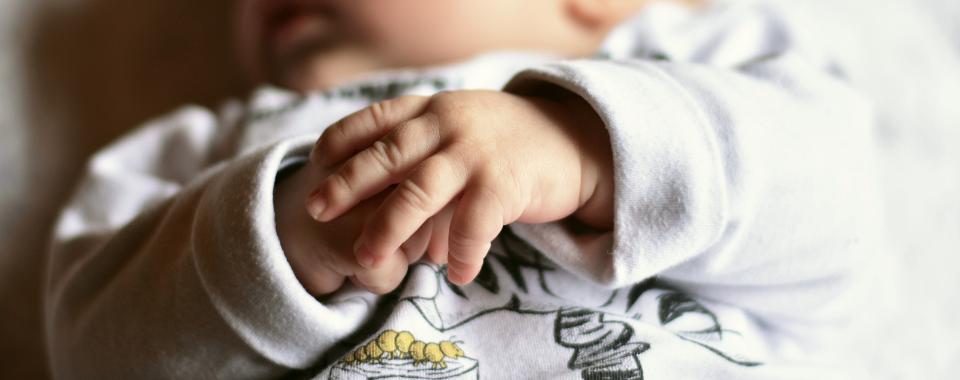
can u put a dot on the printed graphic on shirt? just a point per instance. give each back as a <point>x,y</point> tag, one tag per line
<point>601,349</point>
<point>378,91</point>
<point>504,281</point>
<point>661,304</point>
<point>611,349</point>
<point>602,336</point>
<point>366,92</point>
<point>400,355</point>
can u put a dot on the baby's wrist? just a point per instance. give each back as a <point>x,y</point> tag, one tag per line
<point>596,166</point>
<point>296,230</point>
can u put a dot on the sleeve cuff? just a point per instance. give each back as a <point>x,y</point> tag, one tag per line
<point>669,179</point>
<point>246,274</point>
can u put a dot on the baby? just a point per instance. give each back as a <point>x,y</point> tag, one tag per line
<point>698,199</point>
<point>503,157</point>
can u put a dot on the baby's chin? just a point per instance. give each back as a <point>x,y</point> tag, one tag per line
<point>304,79</point>
<point>329,68</point>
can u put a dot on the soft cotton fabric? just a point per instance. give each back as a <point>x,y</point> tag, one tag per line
<point>747,142</point>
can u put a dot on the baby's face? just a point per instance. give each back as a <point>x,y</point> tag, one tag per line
<point>313,44</point>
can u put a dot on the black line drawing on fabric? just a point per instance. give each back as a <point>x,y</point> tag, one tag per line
<point>613,296</point>
<point>674,304</point>
<point>429,311</point>
<point>514,279</point>
<point>517,256</point>
<point>745,363</point>
<point>377,91</point>
<point>370,92</point>
<point>487,279</point>
<point>601,349</point>
<point>262,114</point>
<point>398,355</point>
<point>675,311</point>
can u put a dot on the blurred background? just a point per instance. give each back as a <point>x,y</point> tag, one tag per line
<point>76,74</point>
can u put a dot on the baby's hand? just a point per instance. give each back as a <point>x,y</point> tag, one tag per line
<point>498,157</point>
<point>321,254</point>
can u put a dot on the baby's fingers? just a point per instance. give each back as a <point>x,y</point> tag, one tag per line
<point>375,168</point>
<point>318,280</point>
<point>360,129</point>
<point>438,248</point>
<point>421,195</point>
<point>476,222</point>
<point>385,278</point>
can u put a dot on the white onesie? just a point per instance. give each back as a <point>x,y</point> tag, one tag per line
<point>748,221</point>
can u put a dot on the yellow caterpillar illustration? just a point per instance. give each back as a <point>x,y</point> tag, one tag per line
<point>434,353</point>
<point>403,345</point>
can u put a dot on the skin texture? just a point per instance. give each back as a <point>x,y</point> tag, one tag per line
<point>441,174</point>
<point>321,254</point>
<point>501,157</point>
<point>311,44</point>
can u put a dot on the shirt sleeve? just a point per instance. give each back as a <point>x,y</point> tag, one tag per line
<point>744,172</point>
<point>161,267</point>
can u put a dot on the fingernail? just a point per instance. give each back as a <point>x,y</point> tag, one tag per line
<point>315,206</point>
<point>316,153</point>
<point>356,244</point>
<point>365,257</point>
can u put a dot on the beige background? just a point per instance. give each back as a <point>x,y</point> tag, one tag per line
<point>73,76</point>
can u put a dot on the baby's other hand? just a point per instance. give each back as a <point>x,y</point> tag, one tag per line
<point>494,156</point>
<point>321,253</point>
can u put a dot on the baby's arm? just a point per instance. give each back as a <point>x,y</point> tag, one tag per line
<point>500,157</point>
<point>160,268</point>
<point>744,171</point>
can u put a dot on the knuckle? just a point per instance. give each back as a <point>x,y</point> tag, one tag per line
<point>450,108</point>
<point>407,101</point>
<point>339,185</point>
<point>414,198</point>
<point>377,112</point>
<point>433,132</point>
<point>464,237</point>
<point>386,154</point>
<point>444,98</point>
<point>467,257</point>
<point>334,136</point>
<point>464,102</point>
